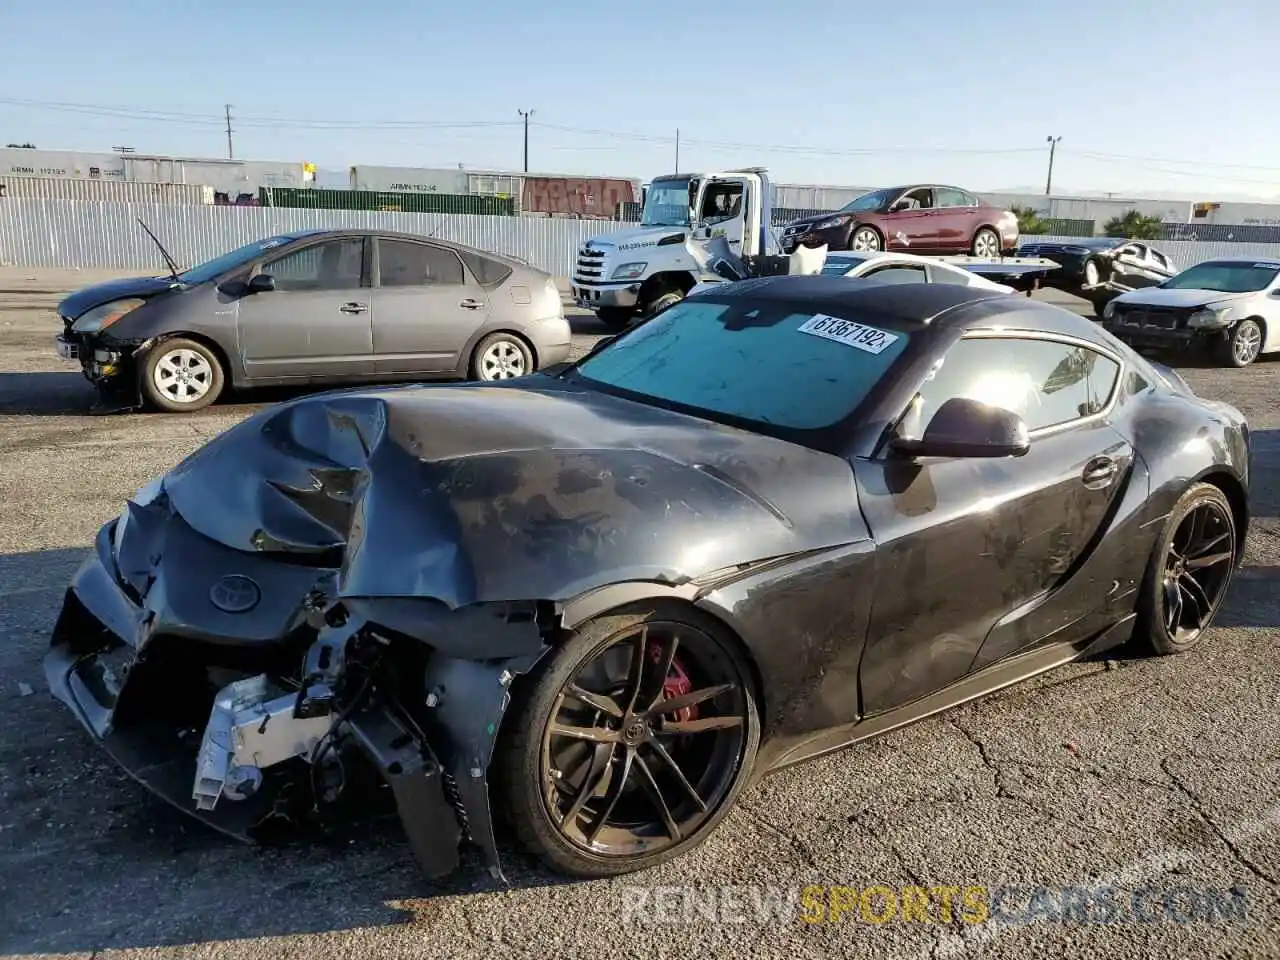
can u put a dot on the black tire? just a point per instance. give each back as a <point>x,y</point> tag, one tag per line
<point>868,233</point>
<point>669,298</point>
<point>1167,602</point>
<point>586,833</point>
<point>196,373</point>
<point>501,356</point>
<point>992,237</point>
<point>1242,344</point>
<point>615,318</point>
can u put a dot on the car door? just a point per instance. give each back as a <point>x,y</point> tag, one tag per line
<point>426,307</point>
<point>964,544</point>
<point>955,219</point>
<point>317,322</point>
<point>723,209</point>
<point>911,225</point>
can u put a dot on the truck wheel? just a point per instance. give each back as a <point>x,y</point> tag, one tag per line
<point>986,244</point>
<point>1242,345</point>
<point>180,376</point>
<point>615,318</point>
<point>865,240</point>
<point>669,299</point>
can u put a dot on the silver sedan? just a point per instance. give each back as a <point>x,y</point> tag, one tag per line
<point>324,307</point>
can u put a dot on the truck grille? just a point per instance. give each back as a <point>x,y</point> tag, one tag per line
<point>590,264</point>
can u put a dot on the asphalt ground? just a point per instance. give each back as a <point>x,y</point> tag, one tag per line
<point>1127,808</point>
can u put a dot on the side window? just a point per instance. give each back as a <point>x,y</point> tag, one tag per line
<point>487,271</point>
<point>941,274</point>
<point>920,198</point>
<point>1043,381</point>
<point>950,197</point>
<point>722,201</point>
<point>334,265</point>
<point>403,263</point>
<point>899,274</point>
<point>1161,260</point>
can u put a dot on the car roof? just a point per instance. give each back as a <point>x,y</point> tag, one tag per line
<point>905,305</point>
<point>404,235</point>
<point>1268,261</point>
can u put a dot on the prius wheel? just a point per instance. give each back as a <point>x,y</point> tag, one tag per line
<point>986,244</point>
<point>181,375</point>
<point>1190,570</point>
<point>501,356</point>
<point>865,240</point>
<point>630,743</point>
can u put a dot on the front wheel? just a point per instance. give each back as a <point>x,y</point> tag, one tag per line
<point>629,743</point>
<point>669,299</point>
<point>865,240</point>
<point>1091,275</point>
<point>1189,571</point>
<point>181,376</point>
<point>1242,345</point>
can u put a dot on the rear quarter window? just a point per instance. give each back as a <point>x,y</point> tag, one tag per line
<point>487,271</point>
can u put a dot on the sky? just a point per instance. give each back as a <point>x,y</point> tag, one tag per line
<point>1149,98</point>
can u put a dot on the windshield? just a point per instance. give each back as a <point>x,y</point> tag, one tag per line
<point>1225,276</point>
<point>762,362</point>
<point>666,204</point>
<point>206,271</point>
<point>870,202</point>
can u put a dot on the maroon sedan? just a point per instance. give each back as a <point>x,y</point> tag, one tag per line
<point>918,219</point>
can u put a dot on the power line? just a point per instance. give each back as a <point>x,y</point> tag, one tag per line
<point>1198,174</point>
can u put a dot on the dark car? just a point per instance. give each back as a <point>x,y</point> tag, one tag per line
<point>601,602</point>
<point>320,306</point>
<point>1101,268</point>
<point>926,219</point>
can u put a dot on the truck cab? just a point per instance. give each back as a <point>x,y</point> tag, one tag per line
<point>637,272</point>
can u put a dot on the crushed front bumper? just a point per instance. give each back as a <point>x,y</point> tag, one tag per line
<point>140,661</point>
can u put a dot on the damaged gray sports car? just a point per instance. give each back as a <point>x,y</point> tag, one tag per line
<point>773,520</point>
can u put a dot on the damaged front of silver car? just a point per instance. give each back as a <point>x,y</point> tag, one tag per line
<point>232,643</point>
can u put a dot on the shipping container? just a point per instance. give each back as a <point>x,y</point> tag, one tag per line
<point>386,201</point>
<point>105,191</point>
<point>589,198</point>
<point>409,180</point>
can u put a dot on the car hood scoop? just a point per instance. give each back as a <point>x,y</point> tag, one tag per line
<point>476,492</point>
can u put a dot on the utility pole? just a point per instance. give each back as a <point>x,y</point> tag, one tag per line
<point>526,114</point>
<point>230,149</point>
<point>1053,145</point>
<point>677,169</point>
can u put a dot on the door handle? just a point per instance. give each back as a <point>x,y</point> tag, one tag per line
<point>354,307</point>
<point>1099,472</point>
<point>470,304</point>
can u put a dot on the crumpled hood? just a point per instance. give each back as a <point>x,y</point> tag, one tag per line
<point>1161,297</point>
<point>475,493</point>
<point>86,298</point>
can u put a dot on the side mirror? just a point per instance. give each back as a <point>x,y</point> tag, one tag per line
<point>968,428</point>
<point>262,283</point>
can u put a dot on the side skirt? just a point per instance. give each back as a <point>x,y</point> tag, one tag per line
<point>996,677</point>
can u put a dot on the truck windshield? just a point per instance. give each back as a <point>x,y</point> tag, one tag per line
<point>666,204</point>
<point>1226,276</point>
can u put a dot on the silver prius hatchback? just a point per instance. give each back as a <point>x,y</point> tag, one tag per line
<point>323,307</point>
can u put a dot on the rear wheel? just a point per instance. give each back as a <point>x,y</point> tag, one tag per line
<point>986,244</point>
<point>501,356</point>
<point>181,376</point>
<point>1189,571</point>
<point>629,744</point>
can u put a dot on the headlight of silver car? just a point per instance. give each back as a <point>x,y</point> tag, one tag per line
<point>630,271</point>
<point>1210,317</point>
<point>104,315</point>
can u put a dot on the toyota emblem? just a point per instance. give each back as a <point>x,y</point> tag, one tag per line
<point>235,594</point>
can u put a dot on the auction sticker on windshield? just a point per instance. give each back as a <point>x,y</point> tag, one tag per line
<point>867,339</point>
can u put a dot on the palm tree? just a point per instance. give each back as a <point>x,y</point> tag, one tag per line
<point>1029,222</point>
<point>1134,226</point>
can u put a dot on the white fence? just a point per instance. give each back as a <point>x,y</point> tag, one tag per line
<point>82,233</point>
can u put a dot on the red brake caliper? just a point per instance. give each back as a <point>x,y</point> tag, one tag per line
<point>676,684</point>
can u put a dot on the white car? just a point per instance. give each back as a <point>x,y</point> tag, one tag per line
<point>889,267</point>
